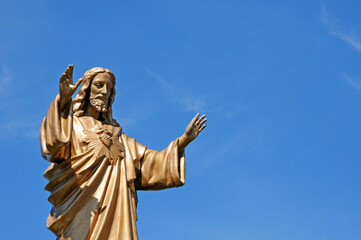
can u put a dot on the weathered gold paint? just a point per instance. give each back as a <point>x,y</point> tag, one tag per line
<point>95,168</point>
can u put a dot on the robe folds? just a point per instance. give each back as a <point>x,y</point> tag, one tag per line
<point>95,173</point>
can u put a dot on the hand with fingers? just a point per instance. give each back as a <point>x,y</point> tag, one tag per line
<point>66,86</point>
<point>192,131</point>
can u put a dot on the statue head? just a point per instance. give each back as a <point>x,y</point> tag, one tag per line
<point>98,90</point>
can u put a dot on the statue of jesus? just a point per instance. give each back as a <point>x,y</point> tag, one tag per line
<point>95,168</point>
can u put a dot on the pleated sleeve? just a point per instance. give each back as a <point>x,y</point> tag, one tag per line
<point>161,170</point>
<point>55,132</point>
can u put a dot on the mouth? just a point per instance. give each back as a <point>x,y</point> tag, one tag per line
<point>101,98</point>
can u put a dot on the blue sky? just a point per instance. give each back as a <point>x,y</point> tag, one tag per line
<point>279,81</point>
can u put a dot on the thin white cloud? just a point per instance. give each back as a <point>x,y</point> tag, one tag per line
<point>338,29</point>
<point>192,104</point>
<point>17,129</point>
<point>354,83</point>
<point>183,97</point>
<point>5,79</point>
<point>218,155</point>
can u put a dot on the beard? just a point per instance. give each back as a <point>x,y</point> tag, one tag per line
<point>99,105</point>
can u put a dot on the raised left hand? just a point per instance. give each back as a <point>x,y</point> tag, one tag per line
<point>192,130</point>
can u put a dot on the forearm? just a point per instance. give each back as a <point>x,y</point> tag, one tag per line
<point>63,102</point>
<point>56,129</point>
<point>183,142</point>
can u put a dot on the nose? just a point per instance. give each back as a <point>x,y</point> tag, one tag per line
<point>104,90</point>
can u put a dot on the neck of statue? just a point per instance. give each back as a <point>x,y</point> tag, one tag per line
<point>91,111</point>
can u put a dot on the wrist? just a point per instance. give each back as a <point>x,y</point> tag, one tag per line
<point>184,140</point>
<point>63,102</point>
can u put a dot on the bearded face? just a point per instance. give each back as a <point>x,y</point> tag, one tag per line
<point>98,104</point>
<point>100,91</point>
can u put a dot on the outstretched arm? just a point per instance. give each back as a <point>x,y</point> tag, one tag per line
<point>165,169</point>
<point>192,131</point>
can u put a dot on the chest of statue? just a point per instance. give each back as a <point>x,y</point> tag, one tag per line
<point>103,140</point>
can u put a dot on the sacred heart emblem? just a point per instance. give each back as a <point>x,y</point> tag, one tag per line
<point>104,143</point>
<point>105,136</point>
<point>106,139</point>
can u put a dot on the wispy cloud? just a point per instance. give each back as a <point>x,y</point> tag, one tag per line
<point>183,97</point>
<point>339,29</point>
<point>17,129</point>
<point>223,148</point>
<point>5,79</point>
<point>343,31</point>
<point>354,83</point>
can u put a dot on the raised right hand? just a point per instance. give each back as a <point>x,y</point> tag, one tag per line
<point>66,86</point>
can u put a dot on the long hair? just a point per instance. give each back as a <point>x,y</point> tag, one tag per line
<point>81,101</point>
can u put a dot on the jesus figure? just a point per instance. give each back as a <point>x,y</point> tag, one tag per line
<point>95,168</point>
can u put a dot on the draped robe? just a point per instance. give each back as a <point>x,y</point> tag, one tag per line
<point>95,173</point>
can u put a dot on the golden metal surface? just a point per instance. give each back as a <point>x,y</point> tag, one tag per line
<point>95,168</point>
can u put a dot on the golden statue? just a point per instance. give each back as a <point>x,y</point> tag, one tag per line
<point>95,168</point>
